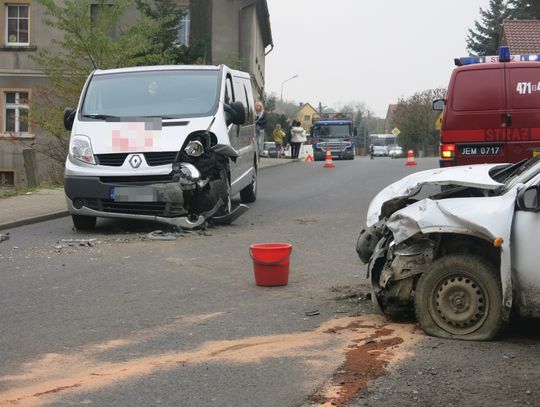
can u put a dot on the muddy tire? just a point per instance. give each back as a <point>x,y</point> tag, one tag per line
<point>84,222</point>
<point>460,297</point>
<point>249,193</point>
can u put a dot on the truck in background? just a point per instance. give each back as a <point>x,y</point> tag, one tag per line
<point>491,113</point>
<point>334,131</point>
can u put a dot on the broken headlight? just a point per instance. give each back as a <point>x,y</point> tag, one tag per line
<point>194,148</point>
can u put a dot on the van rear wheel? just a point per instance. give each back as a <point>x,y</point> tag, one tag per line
<point>84,222</point>
<point>460,297</point>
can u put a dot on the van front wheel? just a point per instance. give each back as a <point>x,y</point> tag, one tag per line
<point>249,193</point>
<point>84,222</point>
<point>460,297</point>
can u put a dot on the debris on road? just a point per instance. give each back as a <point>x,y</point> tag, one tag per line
<point>165,236</point>
<point>4,236</point>
<point>312,313</point>
<point>65,243</point>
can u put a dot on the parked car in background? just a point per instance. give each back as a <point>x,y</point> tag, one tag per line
<point>269,149</point>
<point>395,151</point>
<point>379,144</point>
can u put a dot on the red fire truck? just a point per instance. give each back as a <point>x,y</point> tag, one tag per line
<point>492,110</point>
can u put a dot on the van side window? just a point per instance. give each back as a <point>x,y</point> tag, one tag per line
<point>240,94</point>
<point>483,88</point>
<point>229,95</point>
<point>249,108</point>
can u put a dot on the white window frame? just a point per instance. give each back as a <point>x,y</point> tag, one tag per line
<point>184,28</point>
<point>7,18</point>
<point>17,106</point>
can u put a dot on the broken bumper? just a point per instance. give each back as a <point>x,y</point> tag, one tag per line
<point>149,199</point>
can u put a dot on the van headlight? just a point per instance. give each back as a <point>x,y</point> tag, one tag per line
<point>80,148</point>
<point>194,148</point>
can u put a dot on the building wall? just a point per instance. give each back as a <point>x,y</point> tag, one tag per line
<point>305,116</point>
<point>236,33</point>
<point>18,72</point>
<point>230,28</point>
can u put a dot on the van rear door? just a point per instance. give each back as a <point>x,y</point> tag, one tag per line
<point>523,110</point>
<point>474,116</point>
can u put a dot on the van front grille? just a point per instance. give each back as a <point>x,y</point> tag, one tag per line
<point>160,158</point>
<point>152,158</point>
<point>167,210</point>
<point>111,160</point>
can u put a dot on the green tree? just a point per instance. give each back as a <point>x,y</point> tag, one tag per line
<point>163,20</point>
<point>98,40</point>
<point>485,37</point>
<point>84,44</point>
<point>415,119</point>
<point>524,9</point>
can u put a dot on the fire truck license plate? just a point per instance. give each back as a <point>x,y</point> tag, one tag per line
<point>479,150</point>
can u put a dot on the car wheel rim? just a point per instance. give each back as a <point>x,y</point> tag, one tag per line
<point>459,304</point>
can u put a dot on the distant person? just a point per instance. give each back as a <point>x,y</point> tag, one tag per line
<point>298,136</point>
<point>260,124</point>
<point>279,139</point>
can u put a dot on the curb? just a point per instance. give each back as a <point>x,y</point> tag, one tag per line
<point>33,219</point>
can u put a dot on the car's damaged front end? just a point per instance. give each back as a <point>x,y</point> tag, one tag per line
<point>406,235</point>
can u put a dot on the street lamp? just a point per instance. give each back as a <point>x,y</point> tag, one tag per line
<point>283,83</point>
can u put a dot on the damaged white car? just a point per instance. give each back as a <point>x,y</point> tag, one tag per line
<point>462,257</point>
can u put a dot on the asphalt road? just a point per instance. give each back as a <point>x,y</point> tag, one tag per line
<point>112,318</point>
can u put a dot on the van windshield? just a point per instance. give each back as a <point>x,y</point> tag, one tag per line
<point>167,94</point>
<point>332,131</point>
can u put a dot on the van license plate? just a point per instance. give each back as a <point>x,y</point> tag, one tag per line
<point>480,150</point>
<point>133,194</point>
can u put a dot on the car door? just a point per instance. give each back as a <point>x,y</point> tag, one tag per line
<point>525,247</point>
<point>244,135</point>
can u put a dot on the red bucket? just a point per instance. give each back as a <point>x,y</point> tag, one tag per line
<point>271,263</point>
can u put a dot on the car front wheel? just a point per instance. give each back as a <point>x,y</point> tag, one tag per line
<point>460,297</point>
<point>84,222</point>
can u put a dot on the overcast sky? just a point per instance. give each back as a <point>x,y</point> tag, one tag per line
<point>371,51</point>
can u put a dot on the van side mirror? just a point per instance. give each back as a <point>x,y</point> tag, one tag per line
<point>438,105</point>
<point>527,199</point>
<point>236,113</point>
<point>69,118</point>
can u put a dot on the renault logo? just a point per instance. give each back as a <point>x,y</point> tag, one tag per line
<point>135,161</point>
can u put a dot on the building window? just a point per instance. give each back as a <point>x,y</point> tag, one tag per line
<point>17,23</point>
<point>307,118</point>
<point>7,178</point>
<point>183,29</point>
<point>16,112</point>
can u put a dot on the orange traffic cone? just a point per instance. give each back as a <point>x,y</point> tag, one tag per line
<point>410,158</point>
<point>309,159</point>
<point>328,161</point>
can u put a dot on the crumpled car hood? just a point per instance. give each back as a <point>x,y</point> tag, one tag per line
<point>476,176</point>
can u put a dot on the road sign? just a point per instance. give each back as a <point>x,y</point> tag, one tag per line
<point>395,131</point>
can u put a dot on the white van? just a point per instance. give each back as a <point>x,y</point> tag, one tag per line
<point>166,143</point>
